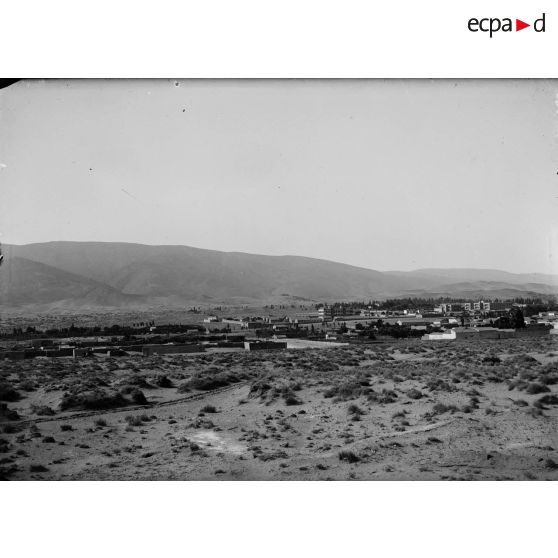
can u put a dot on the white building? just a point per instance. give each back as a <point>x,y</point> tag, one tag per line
<point>439,336</point>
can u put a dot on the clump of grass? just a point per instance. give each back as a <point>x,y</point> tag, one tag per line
<point>8,392</point>
<point>101,422</point>
<point>549,376</point>
<point>520,403</point>
<point>208,409</point>
<point>48,440</point>
<point>38,469</point>
<point>98,398</point>
<point>348,456</point>
<point>439,385</point>
<point>27,385</point>
<point>9,414</point>
<point>346,391</point>
<point>66,427</point>
<point>10,428</point>
<point>207,383</point>
<point>441,408</point>
<point>163,382</point>
<point>203,423</point>
<point>536,387</point>
<point>551,399</point>
<point>133,420</point>
<point>355,410</point>
<point>42,410</point>
<point>492,360</point>
<point>138,397</point>
<point>386,396</point>
<point>280,454</point>
<point>290,398</point>
<point>414,394</point>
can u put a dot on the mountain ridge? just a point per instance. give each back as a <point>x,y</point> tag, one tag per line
<point>133,275</point>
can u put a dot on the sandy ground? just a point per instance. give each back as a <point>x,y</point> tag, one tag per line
<point>405,410</point>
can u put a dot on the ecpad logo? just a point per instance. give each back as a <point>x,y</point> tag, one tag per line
<point>492,25</point>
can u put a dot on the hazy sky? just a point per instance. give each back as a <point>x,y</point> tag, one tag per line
<point>381,174</point>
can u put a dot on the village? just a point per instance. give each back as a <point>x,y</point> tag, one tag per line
<point>325,326</point>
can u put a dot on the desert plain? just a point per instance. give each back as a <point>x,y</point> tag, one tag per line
<point>393,410</point>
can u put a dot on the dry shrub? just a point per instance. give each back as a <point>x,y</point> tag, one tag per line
<point>42,410</point>
<point>551,399</point>
<point>208,409</point>
<point>441,408</point>
<point>536,387</point>
<point>100,399</point>
<point>414,394</point>
<point>346,391</point>
<point>163,382</point>
<point>348,456</point>
<point>8,392</point>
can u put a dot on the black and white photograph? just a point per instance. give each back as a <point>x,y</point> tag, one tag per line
<point>279,280</point>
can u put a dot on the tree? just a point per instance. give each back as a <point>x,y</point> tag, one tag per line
<point>515,316</point>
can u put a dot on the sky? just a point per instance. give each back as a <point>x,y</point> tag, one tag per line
<point>383,174</point>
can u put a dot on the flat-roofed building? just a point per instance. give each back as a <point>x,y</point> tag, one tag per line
<point>264,345</point>
<point>439,336</point>
<point>148,350</point>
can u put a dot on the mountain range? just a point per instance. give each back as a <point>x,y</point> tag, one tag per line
<point>107,275</point>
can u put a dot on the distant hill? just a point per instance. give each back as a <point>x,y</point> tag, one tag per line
<point>441,276</point>
<point>28,283</point>
<point>67,275</point>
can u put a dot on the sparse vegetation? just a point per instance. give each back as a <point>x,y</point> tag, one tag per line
<point>379,405</point>
<point>38,468</point>
<point>441,408</point>
<point>42,410</point>
<point>348,456</point>
<point>208,409</point>
<point>536,387</point>
<point>134,420</point>
<point>355,410</point>
<point>8,392</point>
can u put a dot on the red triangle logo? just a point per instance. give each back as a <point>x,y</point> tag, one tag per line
<point>519,25</point>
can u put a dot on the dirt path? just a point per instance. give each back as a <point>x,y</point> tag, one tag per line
<point>84,414</point>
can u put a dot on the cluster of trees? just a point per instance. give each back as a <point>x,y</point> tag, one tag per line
<point>513,320</point>
<point>345,308</point>
<point>534,305</point>
<point>391,330</point>
<point>116,329</point>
